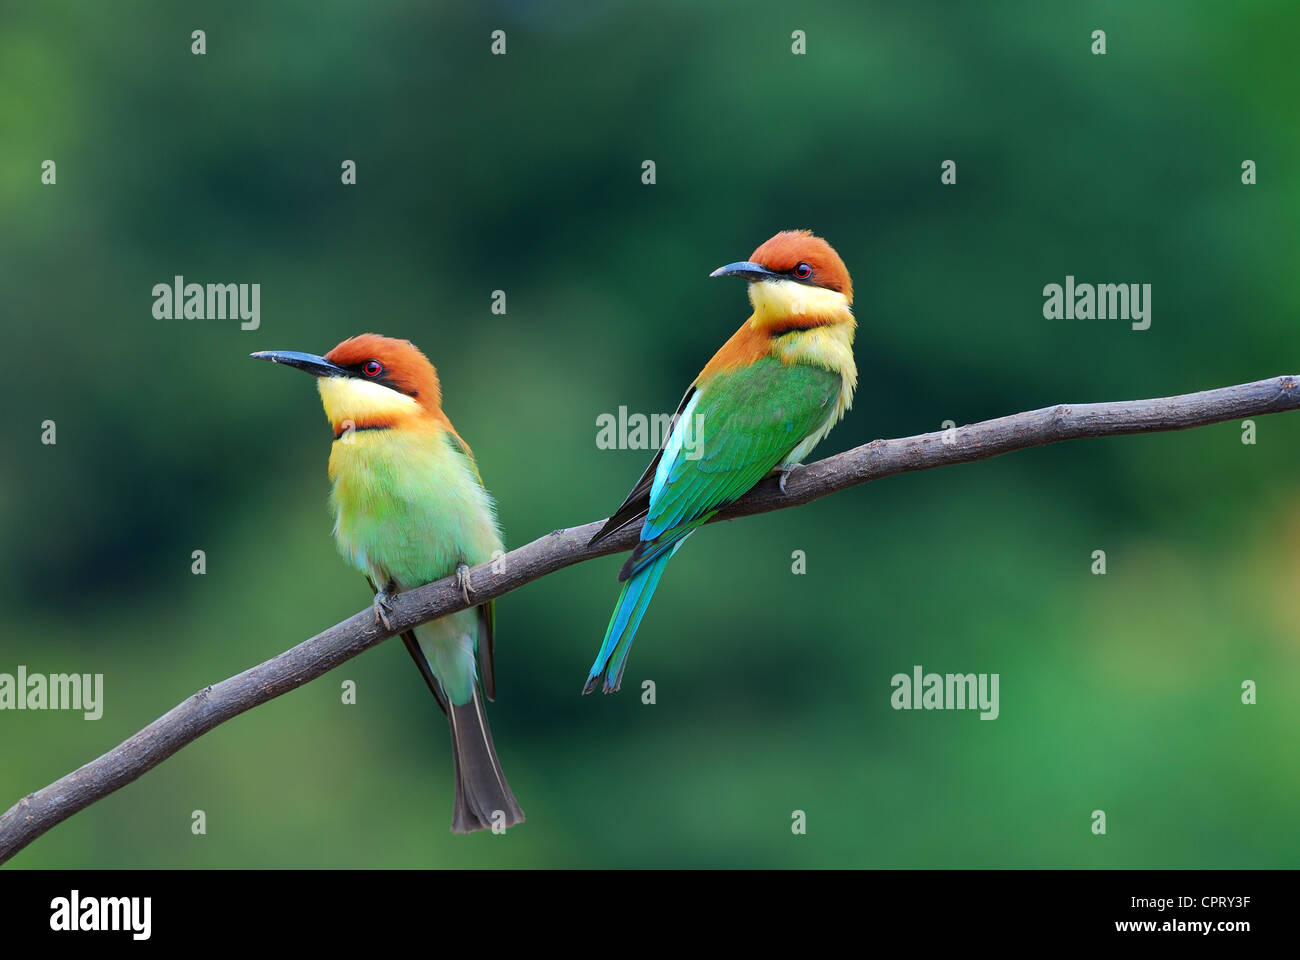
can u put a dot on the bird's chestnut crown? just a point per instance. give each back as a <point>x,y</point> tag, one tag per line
<point>805,258</point>
<point>396,364</point>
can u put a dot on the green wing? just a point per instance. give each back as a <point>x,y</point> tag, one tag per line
<point>741,425</point>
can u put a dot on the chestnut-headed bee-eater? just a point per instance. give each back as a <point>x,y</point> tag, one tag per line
<point>410,508</point>
<point>767,397</point>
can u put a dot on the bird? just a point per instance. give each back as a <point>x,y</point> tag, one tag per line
<point>409,508</point>
<point>767,397</point>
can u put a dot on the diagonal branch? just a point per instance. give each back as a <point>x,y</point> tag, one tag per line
<point>38,812</point>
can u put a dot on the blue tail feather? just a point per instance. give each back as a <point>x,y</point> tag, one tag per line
<point>631,607</point>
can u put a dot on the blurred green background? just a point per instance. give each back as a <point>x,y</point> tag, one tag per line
<point>523,173</point>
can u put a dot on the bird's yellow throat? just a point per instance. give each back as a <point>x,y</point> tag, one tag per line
<point>362,403</point>
<point>823,335</point>
<point>776,301</point>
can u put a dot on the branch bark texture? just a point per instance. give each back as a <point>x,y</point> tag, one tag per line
<point>38,812</point>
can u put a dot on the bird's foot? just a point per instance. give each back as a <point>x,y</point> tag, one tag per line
<point>462,578</point>
<point>785,471</point>
<point>383,604</point>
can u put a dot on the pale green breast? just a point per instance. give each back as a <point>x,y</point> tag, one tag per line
<point>408,506</point>
<point>830,348</point>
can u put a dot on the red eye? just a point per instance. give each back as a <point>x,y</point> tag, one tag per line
<point>803,271</point>
<point>373,368</point>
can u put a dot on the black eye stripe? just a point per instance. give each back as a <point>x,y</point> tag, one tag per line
<point>381,377</point>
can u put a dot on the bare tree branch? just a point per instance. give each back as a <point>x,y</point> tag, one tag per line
<point>38,812</point>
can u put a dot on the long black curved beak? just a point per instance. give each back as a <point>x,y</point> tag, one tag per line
<point>306,362</point>
<point>748,269</point>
